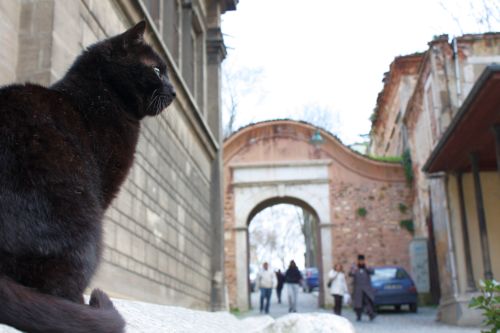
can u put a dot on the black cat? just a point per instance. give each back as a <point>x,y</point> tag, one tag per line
<point>64,151</point>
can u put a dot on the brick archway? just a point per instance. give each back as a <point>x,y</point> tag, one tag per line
<point>275,162</point>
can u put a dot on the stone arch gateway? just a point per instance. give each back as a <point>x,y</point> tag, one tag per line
<point>275,162</point>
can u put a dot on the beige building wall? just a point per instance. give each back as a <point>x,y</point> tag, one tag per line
<point>163,233</point>
<point>9,31</point>
<point>490,183</point>
<point>457,295</point>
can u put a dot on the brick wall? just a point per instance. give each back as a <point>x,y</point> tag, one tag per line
<point>378,234</point>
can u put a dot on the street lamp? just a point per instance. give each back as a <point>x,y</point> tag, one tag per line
<point>316,138</point>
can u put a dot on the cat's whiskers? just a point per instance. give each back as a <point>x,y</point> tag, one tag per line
<point>153,98</point>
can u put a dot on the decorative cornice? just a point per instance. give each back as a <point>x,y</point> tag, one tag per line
<point>215,45</point>
<point>228,5</point>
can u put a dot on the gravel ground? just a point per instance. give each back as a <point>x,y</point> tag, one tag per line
<point>386,322</point>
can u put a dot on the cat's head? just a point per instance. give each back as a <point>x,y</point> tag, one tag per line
<point>136,71</point>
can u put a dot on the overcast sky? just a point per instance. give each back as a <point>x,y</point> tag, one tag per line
<point>288,55</point>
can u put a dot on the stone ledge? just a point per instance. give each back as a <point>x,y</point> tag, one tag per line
<point>152,318</point>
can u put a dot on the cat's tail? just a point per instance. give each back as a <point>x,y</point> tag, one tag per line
<point>30,311</point>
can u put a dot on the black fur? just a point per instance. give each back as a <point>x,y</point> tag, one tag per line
<point>64,151</point>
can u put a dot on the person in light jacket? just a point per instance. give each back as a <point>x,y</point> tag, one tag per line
<point>338,287</point>
<point>266,281</point>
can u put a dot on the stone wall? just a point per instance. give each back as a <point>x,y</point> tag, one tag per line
<point>162,231</point>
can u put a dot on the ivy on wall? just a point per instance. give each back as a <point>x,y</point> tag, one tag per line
<point>403,208</point>
<point>407,166</point>
<point>408,226</point>
<point>362,211</point>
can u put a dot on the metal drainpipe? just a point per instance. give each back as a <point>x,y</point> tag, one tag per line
<point>457,72</point>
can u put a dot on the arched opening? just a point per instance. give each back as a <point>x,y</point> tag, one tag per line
<point>275,162</point>
<point>280,230</point>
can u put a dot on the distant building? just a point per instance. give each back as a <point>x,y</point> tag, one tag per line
<point>164,233</point>
<point>442,108</point>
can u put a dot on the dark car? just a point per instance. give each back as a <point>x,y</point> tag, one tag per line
<point>394,287</point>
<point>311,279</point>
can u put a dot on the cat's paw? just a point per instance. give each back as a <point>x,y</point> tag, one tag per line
<point>99,299</point>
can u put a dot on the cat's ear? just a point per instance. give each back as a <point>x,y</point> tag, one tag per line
<point>135,35</point>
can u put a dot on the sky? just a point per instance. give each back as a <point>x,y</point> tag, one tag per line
<point>287,56</point>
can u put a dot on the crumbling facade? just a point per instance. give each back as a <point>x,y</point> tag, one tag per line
<point>427,112</point>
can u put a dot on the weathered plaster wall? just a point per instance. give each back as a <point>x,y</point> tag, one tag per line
<point>443,83</point>
<point>388,137</point>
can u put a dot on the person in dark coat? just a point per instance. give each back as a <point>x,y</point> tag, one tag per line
<point>293,280</point>
<point>280,278</point>
<point>363,295</point>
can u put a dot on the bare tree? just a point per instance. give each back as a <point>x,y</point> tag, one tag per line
<point>320,116</point>
<point>230,104</point>
<point>308,226</point>
<point>237,83</point>
<point>275,235</point>
<point>485,13</point>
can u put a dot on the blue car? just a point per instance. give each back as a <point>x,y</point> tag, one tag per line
<point>311,279</point>
<point>394,287</point>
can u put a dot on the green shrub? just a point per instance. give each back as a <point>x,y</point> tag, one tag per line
<point>390,159</point>
<point>489,303</point>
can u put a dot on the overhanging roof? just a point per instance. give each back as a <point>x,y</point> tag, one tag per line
<point>471,130</point>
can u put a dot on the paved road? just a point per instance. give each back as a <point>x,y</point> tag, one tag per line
<point>386,322</point>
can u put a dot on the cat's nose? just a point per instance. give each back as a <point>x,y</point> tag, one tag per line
<point>173,93</point>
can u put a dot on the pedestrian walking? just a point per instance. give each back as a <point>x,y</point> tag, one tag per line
<point>280,278</point>
<point>363,294</point>
<point>338,287</point>
<point>293,280</point>
<point>265,282</point>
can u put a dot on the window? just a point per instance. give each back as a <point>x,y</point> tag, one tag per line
<point>381,274</point>
<point>171,27</point>
<point>154,9</point>
<point>198,63</point>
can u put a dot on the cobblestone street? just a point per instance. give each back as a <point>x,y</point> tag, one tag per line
<point>387,321</point>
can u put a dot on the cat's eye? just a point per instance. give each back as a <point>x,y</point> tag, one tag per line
<point>157,71</point>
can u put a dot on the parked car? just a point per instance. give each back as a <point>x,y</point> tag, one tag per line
<point>311,279</point>
<point>252,277</point>
<point>394,287</point>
